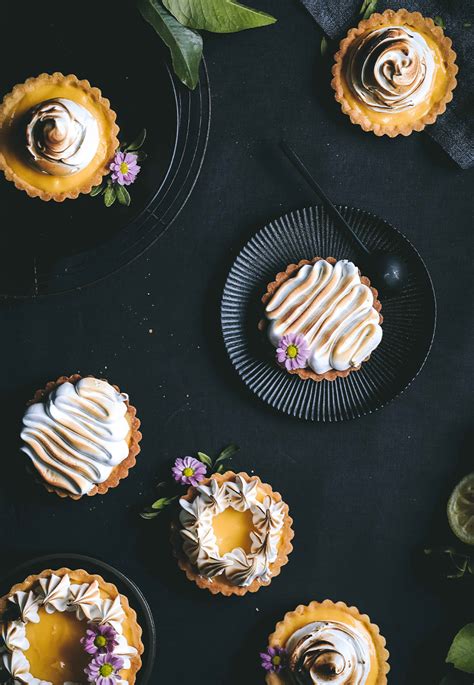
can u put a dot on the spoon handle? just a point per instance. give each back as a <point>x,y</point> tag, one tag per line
<point>301,167</point>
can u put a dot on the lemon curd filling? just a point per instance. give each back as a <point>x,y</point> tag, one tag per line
<point>56,654</point>
<point>232,529</point>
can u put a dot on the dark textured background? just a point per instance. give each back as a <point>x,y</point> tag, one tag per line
<point>367,495</point>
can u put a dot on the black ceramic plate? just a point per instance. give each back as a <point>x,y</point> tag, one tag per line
<point>409,319</point>
<point>49,247</point>
<point>110,574</point>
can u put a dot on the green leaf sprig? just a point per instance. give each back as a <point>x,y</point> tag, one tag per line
<point>112,191</point>
<point>218,465</point>
<point>368,7</point>
<point>458,565</point>
<point>461,652</point>
<point>439,21</point>
<point>178,23</point>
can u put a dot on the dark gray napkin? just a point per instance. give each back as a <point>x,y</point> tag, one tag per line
<point>454,130</point>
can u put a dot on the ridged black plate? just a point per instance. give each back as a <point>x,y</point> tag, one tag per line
<point>409,318</point>
<point>111,575</point>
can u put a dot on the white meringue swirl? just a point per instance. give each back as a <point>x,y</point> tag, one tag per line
<point>328,653</point>
<point>77,435</point>
<point>62,137</point>
<point>332,309</point>
<point>199,540</point>
<point>391,69</point>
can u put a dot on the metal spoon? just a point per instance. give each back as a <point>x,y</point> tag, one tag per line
<point>387,272</point>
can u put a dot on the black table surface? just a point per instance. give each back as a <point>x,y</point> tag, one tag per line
<point>367,495</point>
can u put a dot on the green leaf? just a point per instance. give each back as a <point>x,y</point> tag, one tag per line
<point>96,190</point>
<point>162,502</point>
<point>226,453</point>
<point>368,8</point>
<point>185,45</point>
<point>149,514</point>
<point>123,196</point>
<point>439,22</point>
<point>137,143</point>
<point>220,468</point>
<point>205,459</point>
<point>218,16</point>
<point>141,156</point>
<point>110,196</point>
<point>461,652</point>
<point>324,46</point>
<point>467,25</point>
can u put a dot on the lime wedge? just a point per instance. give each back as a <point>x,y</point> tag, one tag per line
<point>461,510</point>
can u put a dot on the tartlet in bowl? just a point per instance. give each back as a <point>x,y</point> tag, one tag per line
<point>394,73</point>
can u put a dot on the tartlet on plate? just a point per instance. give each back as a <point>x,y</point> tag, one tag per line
<point>81,436</point>
<point>57,624</point>
<point>326,642</point>
<point>394,73</point>
<point>322,317</point>
<point>58,135</point>
<point>234,534</point>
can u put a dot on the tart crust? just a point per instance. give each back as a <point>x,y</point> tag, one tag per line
<point>405,18</point>
<point>303,615</point>
<point>283,276</point>
<point>80,576</point>
<point>121,470</point>
<point>218,585</point>
<point>94,96</point>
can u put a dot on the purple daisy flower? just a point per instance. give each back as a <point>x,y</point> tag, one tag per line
<point>188,471</point>
<point>273,659</point>
<point>99,639</point>
<point>293,351</point>
<point>124,168</point>
<point>104,669</point>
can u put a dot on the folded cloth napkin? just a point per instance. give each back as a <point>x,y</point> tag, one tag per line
<point>454,130</point>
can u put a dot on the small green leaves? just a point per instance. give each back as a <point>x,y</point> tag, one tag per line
<point>217,16</point>
<point>461,652</point>
<point>368,8</point>
<point>324,46</point>
<point>226,454</point>
<point>97,190</point>
<point>184,44</point>
<point>137,143</point>
<point>123,196</point>
<point>439,22</point>
<point>157,507</point>
<point>205,459</point>
<point>110,196</point>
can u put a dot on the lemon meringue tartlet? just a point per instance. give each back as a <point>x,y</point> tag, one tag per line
<point>234,534</point>
<point>81,436</point>
<point>327,642</point>
<point>61,627</point>
<point>394,73</point>
<point>57,136</point>
<point>322,317</point>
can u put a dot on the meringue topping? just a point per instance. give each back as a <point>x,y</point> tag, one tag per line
<point>391,69</point>
<point>77,435</point>
<point>328,652</point>
<point>62,137</point>
<point>334,311</point>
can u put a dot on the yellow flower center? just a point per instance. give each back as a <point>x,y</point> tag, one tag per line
<point>106,670</point>
<point>188,471</point>
<point>276,661</point>
<point>291,351</point>
<point>100,641</point>
<point>124,168</point>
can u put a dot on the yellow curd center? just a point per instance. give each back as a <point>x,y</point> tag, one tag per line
<point>56,654</point>
<point>232,529</point>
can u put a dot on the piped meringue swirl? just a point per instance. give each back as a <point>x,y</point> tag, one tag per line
<point>77,435</point>
<point>328,652</point>
<point>334,311</point>
<point>391,69</point>
<point>62,137</point>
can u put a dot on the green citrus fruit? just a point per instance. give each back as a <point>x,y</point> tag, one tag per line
<point>461,510</point>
